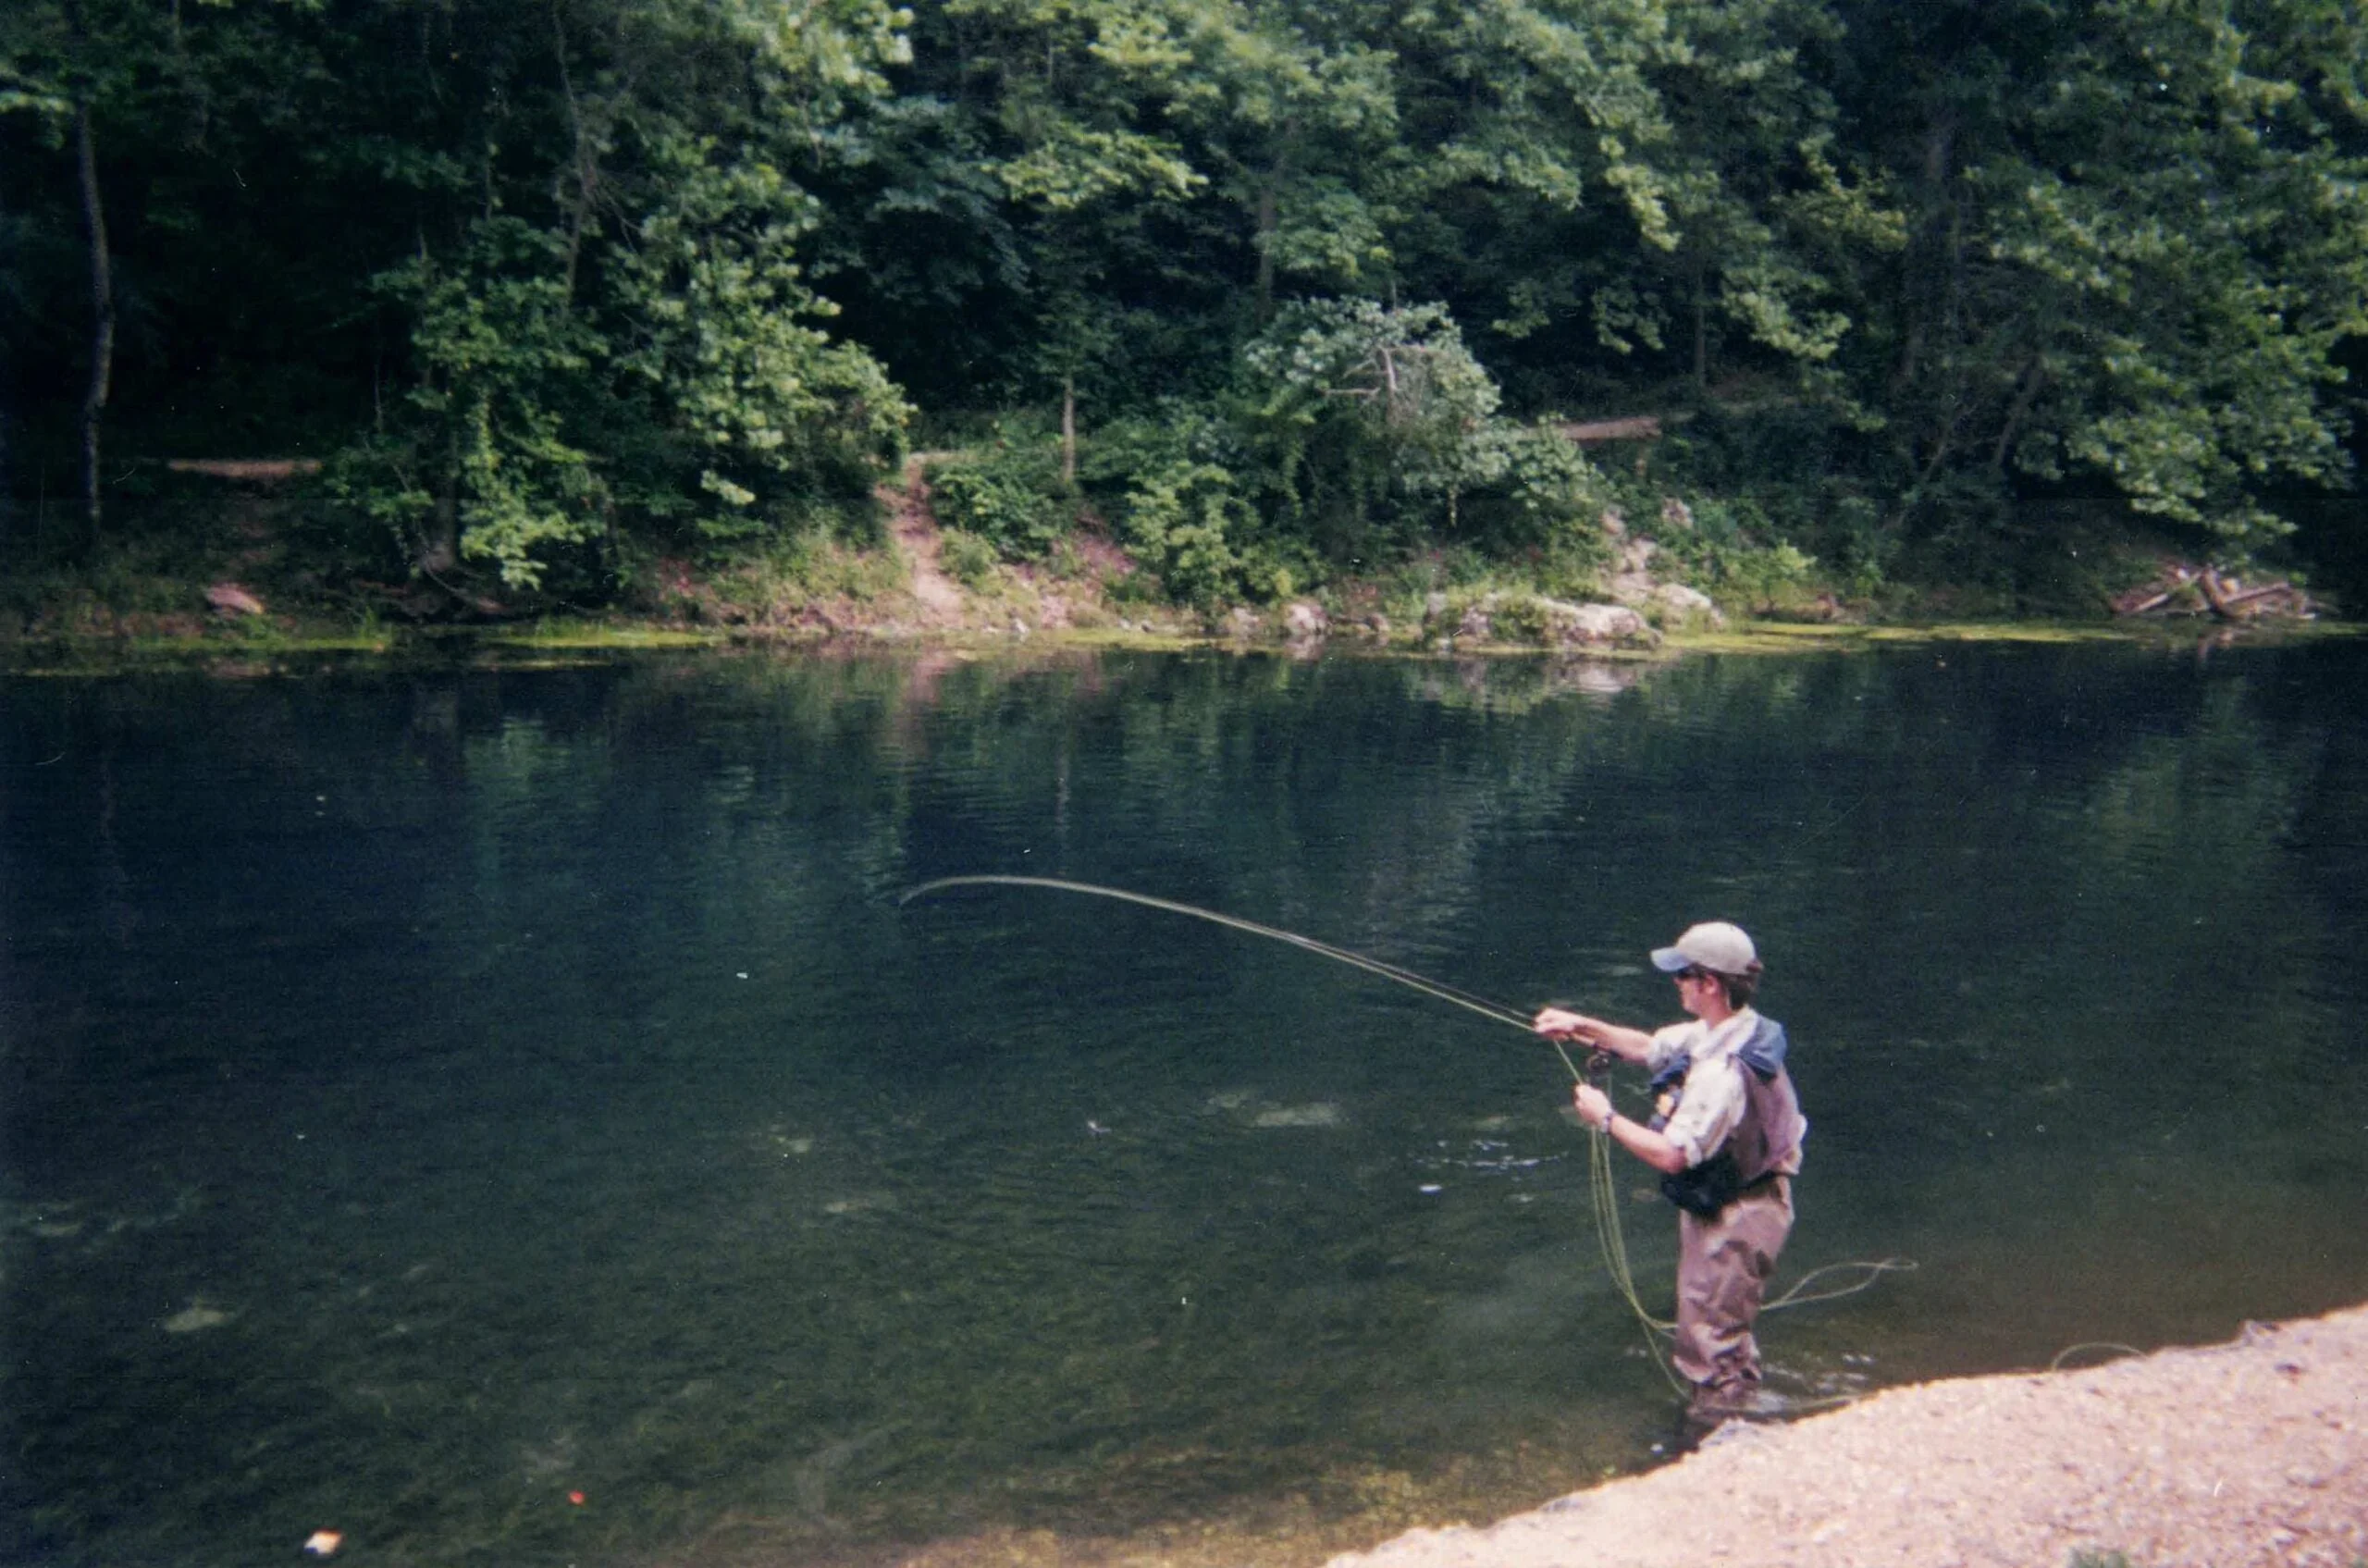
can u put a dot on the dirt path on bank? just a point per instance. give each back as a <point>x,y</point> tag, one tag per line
<point>2251,1452</point>
<point>914,527</point>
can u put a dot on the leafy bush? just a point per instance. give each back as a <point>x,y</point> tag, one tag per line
<point>1728,551</point>
<point>795,569</point>
<point>1009,495</point>
<point>968,558</point>
<point>1368,427</point>
<point>689,362</point>
<point>1533,488</point>
<point>1363,418</point>
<point>1173,482</point>
<point>1519,618</point>
<point>1183,522</point>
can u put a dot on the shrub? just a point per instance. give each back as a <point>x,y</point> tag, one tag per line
<point>1008,494</point>
<point>968,558</point>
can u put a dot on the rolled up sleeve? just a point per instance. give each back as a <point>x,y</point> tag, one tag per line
<point>1710,1108</point>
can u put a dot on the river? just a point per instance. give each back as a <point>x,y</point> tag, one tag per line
<point>506,1116</point>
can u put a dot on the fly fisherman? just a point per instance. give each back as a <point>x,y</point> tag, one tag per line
<point>1726,1136</point>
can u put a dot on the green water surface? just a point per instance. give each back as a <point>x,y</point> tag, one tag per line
<point>427,1095</point>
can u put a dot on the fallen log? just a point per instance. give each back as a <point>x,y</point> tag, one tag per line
<point>2231,602</point>
<point>1592,432</point>
<point>2267,590</point>
<point>249,470</point>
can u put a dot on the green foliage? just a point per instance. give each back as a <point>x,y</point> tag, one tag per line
<point>789,569</point>
<point>1784,466</point>
<point>1189,525</point>
<point>502,354</point>
<point>1732,552</point>
<point>1532,488</point>
<point>569,285</point>
<point>1368,416</point>
<point>643,355</point>
<point>1008,495</point>
<point>1371,423</point>
<point>725,344</point>
<point>968,560</point>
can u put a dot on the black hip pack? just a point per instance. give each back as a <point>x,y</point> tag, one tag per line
<point>1706,1187</point>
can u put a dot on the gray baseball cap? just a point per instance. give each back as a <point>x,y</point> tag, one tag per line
<point>1714,945</point>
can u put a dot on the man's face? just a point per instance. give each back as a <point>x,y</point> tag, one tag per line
<point>1697,989</point>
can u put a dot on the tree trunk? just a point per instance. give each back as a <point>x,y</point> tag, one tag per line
<point>1269,217</point>
<point>586,171</point>
<point>1266,249</point>
<point>94,397</point>
<point>1701,330</point>
<point>439,549</point>
<point>2034,377</point>
<point>1069,431</point>
<point>1918,290</point>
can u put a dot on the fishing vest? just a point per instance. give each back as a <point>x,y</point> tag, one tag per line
<point>1767,1139</point>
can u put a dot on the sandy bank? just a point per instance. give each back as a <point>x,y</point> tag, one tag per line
<point>2250,1453</point>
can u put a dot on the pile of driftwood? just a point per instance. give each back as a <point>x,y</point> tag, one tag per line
<point>2181,589</point>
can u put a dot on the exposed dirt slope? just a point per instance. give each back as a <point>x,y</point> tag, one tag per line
<point>914,527</point>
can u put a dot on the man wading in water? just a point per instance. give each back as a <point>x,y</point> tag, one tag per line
<point>1726,1136</point>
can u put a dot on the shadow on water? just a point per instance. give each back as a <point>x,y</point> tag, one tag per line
<point>427,1098</point>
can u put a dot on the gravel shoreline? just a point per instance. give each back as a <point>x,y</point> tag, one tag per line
<point>2250,1453</point>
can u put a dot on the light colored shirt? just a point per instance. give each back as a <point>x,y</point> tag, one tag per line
<point>1712,1103</point>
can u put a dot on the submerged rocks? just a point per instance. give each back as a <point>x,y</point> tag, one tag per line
<point>197,1317</point>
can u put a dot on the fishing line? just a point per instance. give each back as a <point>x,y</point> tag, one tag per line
<point>1603,1194</point>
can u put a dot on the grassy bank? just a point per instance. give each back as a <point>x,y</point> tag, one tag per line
<point>256,580</point>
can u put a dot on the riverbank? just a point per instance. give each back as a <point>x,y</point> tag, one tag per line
<point>262,591</point>
<point>254,652</point>
<point>2253,1452</point>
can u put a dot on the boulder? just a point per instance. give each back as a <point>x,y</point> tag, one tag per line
<point>1304,621</point>
<point>1681,603</point>
<point>1556,623</point>
<point>1573,626</point>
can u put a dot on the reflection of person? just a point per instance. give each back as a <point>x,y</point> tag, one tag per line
<point>1725,1134</point>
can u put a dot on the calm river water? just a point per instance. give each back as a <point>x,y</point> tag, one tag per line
<point>429,1098</point>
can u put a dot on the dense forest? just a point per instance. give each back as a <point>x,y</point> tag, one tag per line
<point>1273,291</point>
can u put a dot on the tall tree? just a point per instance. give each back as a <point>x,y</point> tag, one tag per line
<point>2135,249</point>
<point>60,62</point>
